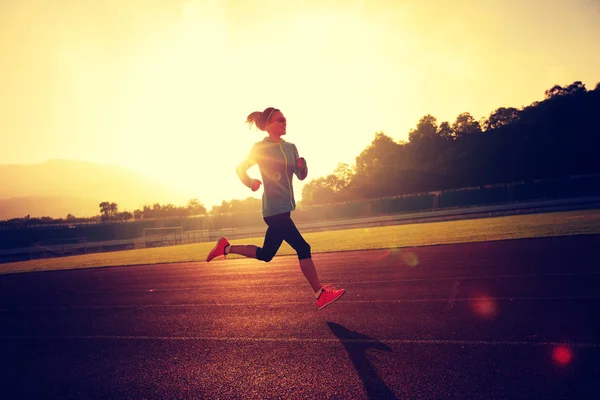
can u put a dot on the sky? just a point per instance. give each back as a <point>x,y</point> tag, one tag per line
<point>164,86</point>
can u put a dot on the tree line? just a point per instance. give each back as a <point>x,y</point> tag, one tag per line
<point>556,137</point>
<point>110,211</point>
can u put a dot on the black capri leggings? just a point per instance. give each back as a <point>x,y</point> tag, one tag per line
<point>280,228</point>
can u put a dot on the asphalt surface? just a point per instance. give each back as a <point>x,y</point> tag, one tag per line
<point>498,320</point>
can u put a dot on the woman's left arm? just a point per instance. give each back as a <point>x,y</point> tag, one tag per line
<point>300,168</point>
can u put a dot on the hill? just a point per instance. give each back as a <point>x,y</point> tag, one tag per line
<point>58,187</point>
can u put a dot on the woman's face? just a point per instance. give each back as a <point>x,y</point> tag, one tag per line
<point>276,124</point>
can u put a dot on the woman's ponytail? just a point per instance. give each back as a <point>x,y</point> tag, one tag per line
<point>260,119</point>
<point>254,118</point>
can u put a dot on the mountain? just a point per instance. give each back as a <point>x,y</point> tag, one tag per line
<point>54,207</point>
<point>56,188</point>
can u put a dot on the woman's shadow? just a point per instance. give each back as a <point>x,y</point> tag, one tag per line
<point>356,345</point>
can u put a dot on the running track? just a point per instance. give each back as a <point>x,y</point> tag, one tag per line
<point>498,320</point>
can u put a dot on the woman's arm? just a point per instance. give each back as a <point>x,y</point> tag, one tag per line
<point>242,169</point>
<point>300,168</point>
<point>242,173</point>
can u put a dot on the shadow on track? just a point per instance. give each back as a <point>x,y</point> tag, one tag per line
<point>356,345</point>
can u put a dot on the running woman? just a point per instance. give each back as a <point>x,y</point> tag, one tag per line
<point>278,161</point>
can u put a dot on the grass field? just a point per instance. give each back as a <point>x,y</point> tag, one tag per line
<point>474,230</point>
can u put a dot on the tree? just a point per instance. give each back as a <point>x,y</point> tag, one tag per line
<point>124,216</point>
<point>445,131</point>
<point>426,129</point>
<point>465,125</point>
<point>318,191</point>
<point>147,212</point>
<point>376,156</point>
<point>501,117</point>
<point>168,210</point>
<point>194,207</point>
<point>343,174</point>
<point>572,89</point>
<point>223,209</point>
<point>108,210</point>
<point>377,168</point>
<point>104,208</point>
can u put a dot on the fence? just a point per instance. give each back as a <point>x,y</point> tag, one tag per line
<point>40,251</point>
<point>14,241</point>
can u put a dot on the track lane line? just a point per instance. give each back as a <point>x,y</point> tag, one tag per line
<point>307,340</point>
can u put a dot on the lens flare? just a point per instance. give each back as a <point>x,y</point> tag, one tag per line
<point>484,306</point>
<point>410,259</point>
<point>383,255</point>
<point>562,355</point>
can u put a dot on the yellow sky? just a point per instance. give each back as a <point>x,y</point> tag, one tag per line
<point>164,86</point>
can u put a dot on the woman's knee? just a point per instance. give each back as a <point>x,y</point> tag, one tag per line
<point>263,255</point>
<point>303,251</point>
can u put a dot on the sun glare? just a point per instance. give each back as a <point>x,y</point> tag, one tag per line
<point>165,89</point>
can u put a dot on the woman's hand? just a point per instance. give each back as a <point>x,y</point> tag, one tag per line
<point>255,185</point>
<point>300,162</point>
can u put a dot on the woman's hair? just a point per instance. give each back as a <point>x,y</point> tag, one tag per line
<point>260,118</point>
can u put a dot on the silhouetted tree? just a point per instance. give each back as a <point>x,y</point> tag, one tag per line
<point>558,136</point>
<point>501,117</point>
<point>445,131</point>
<point>108,210</point>
<point>194,207</point>
<point>465,125</point>
<point>426,129</point>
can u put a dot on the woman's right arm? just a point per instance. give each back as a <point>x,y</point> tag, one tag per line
<point>242,173</point>
<point>242,169</point>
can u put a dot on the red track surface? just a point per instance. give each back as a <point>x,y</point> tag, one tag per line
<point>501,320</point>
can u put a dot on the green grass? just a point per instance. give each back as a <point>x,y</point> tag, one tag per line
<point>475,230</point>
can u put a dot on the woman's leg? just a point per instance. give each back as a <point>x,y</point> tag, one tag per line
<point>310,273</point>
<point>246,250</point>
<point>272,242</point>
<point>295,239</point>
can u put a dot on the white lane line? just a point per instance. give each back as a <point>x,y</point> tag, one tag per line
<point>238,304</point>
<point>307,340</point>
<point>295,284</point>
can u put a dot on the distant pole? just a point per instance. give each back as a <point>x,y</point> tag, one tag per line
<point>436,200</point>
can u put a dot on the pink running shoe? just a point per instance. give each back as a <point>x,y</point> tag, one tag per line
<point>218,251</point>
<point>329,295</point>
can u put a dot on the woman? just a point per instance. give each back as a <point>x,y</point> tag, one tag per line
<point>278,161</point>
